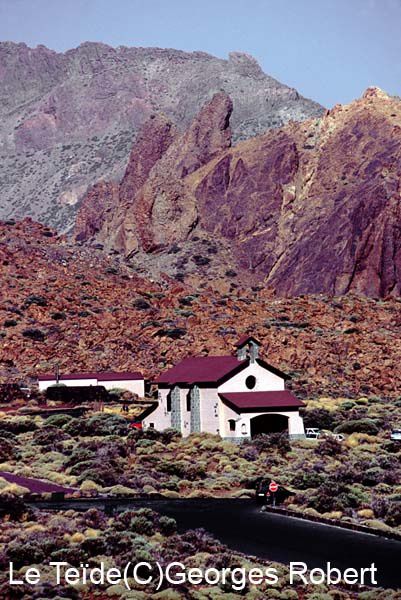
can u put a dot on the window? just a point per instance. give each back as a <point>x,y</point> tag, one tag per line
<point>250,382</point>
<point>151,425</point>
<point>168,401</point>
<point>231,423</point>
<point>243,429</point>
<point>188,401</point>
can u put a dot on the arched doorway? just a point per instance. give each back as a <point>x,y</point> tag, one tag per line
<point>269,423</point>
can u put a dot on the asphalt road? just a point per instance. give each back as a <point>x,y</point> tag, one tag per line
<point>242,526</point>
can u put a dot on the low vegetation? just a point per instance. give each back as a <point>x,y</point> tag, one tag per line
<point>355,480</point>
<point>36,537</point>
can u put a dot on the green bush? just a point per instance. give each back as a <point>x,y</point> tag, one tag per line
<point>358,426</point>
<point>7,450</point>
<point>58,421</point>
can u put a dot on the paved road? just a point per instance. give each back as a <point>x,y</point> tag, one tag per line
<point>242,526</point>
<point>36,486</point>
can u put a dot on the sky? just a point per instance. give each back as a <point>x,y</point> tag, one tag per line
<point>329,50</point>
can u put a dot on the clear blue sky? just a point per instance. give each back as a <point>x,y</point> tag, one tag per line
<point>330,50</point>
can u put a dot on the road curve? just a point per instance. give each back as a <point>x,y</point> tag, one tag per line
<point>242,526</point>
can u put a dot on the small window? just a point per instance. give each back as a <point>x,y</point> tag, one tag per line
<point>168,402</point>
<point>188,401</point>
<point>250,382</point>
<point>243,428</point>
<point>151,425</point>
<point>231,423</point>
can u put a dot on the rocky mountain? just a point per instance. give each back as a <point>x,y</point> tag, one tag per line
<point>68,120</point>
<point>313,207</point>
<point>74,306</point>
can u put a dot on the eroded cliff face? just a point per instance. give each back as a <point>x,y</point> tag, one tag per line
<point>313,207</point>
<point>153,208</point>
<point>107,207</point>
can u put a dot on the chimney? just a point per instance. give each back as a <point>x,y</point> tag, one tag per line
<point>248,347</point>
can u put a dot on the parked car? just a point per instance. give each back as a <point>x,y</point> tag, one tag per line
<point>396,435</point>
<point>135,425</point>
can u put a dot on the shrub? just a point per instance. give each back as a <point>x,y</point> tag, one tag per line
<point>167,526</point>
<point>15,508</point>
<point>140,524</point>
<point>308,479</point>
<point>33,299</point>
<point>165,437</point>
<point>358,425</point>
<point>10,323</point>
<point>141,304</point>
<point>329,446</point>
<point>200,260</point>
<point>58,316</point>
<point>102,473</point>
<point>175,333</point>
<point>36,335</point>
<point>58,421</point>
<point>49,436</point>
<point>372,477</point>
<point>183,469</point>
<point>18,425</point>
<point>101,424</point>
<point>271,441</point>
<point>393,516</point>
<point>320,417</point>
<point>7,450</point>
<point>79,455</point>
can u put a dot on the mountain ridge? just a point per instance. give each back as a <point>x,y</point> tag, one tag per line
<point>69,119</point>
<point>313,207</point>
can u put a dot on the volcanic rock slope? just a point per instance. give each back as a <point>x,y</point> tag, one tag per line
<point>68,120</point>
<point>71,305</point>
<point>313,207</point>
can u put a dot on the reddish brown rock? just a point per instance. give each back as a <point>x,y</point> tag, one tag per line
<point>151,208</point>
<point>79,309</point>
<point>165,208</point>
<point>311,208</point>
<point>95,211</point>
<point>106,205</point>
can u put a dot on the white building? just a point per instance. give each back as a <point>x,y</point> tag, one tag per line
<point>131,380</point>
<point>236,397</point>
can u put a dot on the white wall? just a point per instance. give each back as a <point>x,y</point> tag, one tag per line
<point>159,417</point>
<point>295,422</point>
<point>209,410</point>
<point>136,386</point>
<point>296,425</point>
<point>225,414</point>
<point>265,381</point>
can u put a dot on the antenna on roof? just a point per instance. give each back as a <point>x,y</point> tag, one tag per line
<point>57,370</point>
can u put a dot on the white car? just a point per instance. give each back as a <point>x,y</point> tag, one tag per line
<point>396,434</point>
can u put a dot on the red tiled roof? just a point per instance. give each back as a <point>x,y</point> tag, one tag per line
<point>201,369</point>
<point>111,376</point>
<point>105,376</point>
<point>258,400</point>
